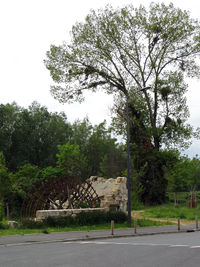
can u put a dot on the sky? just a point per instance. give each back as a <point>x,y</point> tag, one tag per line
<point>29,27</point>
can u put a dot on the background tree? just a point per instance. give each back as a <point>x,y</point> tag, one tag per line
<point>123,50</point>
<point>5,186</point>
<point>184,175</point>
<point>71,161</point>
<point>104,156</point>
<point>22,182</point>
<point>31,135</point>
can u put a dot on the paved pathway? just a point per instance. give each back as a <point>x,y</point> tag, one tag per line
<point>89,235</point>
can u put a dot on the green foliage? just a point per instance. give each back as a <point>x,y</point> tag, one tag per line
<point>82,218</point>
<point>82,205</point>
<point>98,217</point>
<point>2,226</point>
<point>151,183</point>
<point>31,135</point>
<point>59,222</point>
<point>102,153</point>
<point>169,211</point>
<point>117,216</point>
<point>184,174</point>
<point>24,179</point>
<point>5,183</point>
<point>31,224</point>
<point>50,172</point>
<point>70,160</point>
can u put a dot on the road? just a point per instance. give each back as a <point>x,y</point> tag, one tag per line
<point>179,249</point>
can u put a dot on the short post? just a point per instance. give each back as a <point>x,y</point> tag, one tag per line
<point>7,211</point>
<point>179,228</point>
<point>112,227</point>
<point>197,223</point>
<point>135,226</point>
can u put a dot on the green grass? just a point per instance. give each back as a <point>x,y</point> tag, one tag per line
<point>170,211</point>
<point>140,223</point>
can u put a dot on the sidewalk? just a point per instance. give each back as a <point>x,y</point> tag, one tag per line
<point>89,235</point>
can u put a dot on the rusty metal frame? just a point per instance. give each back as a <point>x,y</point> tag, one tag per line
<point>57,193</point>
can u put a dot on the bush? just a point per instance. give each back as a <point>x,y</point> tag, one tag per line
<point>117,216</point>
<point>91,217</point>
<point>59,222</point>
<point>98,217</point>
<point>82,218</point>
<point>2,226</point>
<point>31,224</point>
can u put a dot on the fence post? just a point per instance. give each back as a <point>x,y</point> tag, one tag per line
<point>135,225</point>
<point>196,219</point>
<point>179,227</point>
<point>112,227</point>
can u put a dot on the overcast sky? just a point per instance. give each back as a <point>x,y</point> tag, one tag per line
<point>29,27</point>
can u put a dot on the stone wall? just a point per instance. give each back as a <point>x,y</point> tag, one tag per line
<point>113,192</point>
<point>44,214</point>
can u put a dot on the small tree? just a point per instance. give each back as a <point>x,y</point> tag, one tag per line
<point>71,161</point>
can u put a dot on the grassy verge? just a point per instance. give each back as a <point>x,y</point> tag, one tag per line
<point>140,223</point>
<point>168,211</point>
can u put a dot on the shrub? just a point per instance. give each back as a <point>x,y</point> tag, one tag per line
<point>31,224</point>
<point>82,218</point>
<point>2,226</point>
<point>97,217</point>
<point>90,218</point>
<point>59,222</point>
<point>117,216</point>
<point>1,211</point>
<point>50,222</point>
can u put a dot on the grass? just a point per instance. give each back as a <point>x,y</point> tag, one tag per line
<point>140,223</point>
<point>169,211</point>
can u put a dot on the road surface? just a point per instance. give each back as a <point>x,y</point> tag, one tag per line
<point>164,250</point>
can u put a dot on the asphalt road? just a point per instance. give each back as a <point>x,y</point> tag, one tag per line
<point>180,250</point>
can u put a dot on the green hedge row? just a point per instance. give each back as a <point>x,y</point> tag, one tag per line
<point>81,219</point>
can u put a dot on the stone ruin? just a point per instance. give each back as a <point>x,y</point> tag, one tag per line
<point>63,196</point>
<point>112,192</point>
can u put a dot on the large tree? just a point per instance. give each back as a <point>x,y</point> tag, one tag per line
<point>126,49</point>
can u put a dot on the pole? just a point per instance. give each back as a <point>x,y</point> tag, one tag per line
<point>128,163</point>
<point>112,227</point>
<point>196,220</point>
<point>179,224</point>
<point>135,226</point>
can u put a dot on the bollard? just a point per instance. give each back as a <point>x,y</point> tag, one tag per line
<point>179,228</point>
<point>196,219</point>
<point>135,226</point>
<point>112,227</point>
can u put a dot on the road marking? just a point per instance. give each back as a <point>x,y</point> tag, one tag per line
<point>135,244</point>
<point>173,246</point>
<point>130,244</point>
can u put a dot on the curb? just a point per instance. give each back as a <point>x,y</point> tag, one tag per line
<point>87,238</point>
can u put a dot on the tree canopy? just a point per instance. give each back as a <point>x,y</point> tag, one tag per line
<point>122,51</point>
<point>126,49</point>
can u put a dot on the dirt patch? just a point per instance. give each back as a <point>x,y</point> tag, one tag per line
<point>137,214</point>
